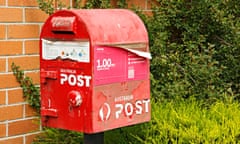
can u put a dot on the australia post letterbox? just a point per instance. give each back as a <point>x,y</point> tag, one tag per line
<point>94,70</point>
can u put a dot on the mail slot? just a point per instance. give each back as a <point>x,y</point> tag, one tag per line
<point>94,70</point>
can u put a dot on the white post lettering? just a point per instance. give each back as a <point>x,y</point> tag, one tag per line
<point>87,78</point>
<point>139,107</point>
<point>63,78</point>
<point>72,80</point>
<point>120,106</point>
<point>146,102</point>
<point>128,109</point>
<point>80,80</point>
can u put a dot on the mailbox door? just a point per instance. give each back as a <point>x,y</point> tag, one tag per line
<point>66,81</point>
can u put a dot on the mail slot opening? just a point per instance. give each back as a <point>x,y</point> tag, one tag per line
<point>63,32</point>
<point>63,25</point>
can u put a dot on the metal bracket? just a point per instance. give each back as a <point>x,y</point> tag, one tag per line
<point>47,74</point>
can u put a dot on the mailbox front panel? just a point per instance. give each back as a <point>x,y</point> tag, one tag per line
<point>66,84</point>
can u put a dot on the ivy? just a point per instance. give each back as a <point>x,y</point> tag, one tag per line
<point>77,4</point>
<point>30,91</point>
<point>50,6</point>
<point>122,4</point>
<point>98,4</point>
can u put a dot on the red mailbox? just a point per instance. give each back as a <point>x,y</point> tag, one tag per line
<point>94,70</point>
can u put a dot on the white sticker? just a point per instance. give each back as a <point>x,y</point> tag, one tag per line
<point>131,72</point>
<point>74,50</point>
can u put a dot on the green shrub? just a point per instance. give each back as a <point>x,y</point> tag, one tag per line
<point>58,136</point>
<point>195,48</point>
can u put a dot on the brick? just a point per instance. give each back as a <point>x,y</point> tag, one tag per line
<point>82,3</point>
<point>2,31</point>
<point>2,64</point>
<point>23,31</point>
<point>2,2</point>
<point>66,3</point>
<point>11,15</point>
<point>142,4</point>
<point>32,47</point>
<point>30,138</point>
<point>2,97</point>
<point>150,4</point>
<point>15,96</point>
<point>10,47</point>
<point>35,15</point>
<point>113,3</point>
<point>29,111</point>
<point>8,81</point>
<point>11,112</point>
<point>25,62</point>
<point>148,13</point>
<point>32,3</point>
<point>35,76</point>
<point>2,130</point>
<point>23,127</point>
<point>18,140</point>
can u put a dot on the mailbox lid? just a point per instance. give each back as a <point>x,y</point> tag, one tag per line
<point>113,26</point>
<point>102,26</point>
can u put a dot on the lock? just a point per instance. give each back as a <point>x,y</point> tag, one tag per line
<point>74,98</point>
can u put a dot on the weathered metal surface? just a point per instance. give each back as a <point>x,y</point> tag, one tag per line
<point>91,79</point>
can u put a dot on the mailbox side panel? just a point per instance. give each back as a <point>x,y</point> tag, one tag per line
<point>121,94</point>
<point>121,104</point>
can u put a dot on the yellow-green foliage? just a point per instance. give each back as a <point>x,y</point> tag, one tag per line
<point>189,121</point>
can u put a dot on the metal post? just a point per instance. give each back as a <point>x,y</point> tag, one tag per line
<point>97,138</point>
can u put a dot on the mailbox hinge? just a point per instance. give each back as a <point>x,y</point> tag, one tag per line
<point>49,112</point>
<point>47,74</point>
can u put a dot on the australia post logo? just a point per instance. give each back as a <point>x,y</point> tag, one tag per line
<point>124,107</point>
<point>71,78</point>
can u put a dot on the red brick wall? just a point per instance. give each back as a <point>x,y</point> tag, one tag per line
<point>20,26</point>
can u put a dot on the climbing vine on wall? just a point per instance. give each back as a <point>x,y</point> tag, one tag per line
<point>49,6</point>
<point>30,91</point>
